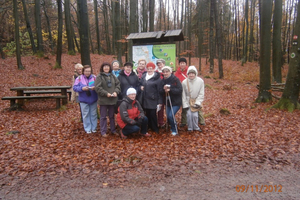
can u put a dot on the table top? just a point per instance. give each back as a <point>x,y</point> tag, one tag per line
<point>41,87</point>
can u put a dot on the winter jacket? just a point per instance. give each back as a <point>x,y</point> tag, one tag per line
<point>181,74</point>
<point>196,89</point>
<point>129,110</point>
<point>151,95</point>
<point>73,93</point>
<point>82,81</point>
<point>126,82</point>
<point>175,90</point>
<point>102,89</point>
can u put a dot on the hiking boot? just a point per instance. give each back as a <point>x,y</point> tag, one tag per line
<point>182,125</point>
<point>122,135</point>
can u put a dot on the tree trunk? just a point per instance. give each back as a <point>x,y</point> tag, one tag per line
<point>251,37</point>
<point>28,26</point>
<point>49,27</point>
<point>277,54</point>
<point>118,31</point>
<point>105,16</point>
<point>265,51</point>
<point>59,35</point>
<point>200,33</point>
<point>145,15</point>
<point>37,9</point>
<point>219,40</point>
<point>289,99</point>
<point>151,14</point>
<point>84,32</point>
<point>245,53</point>
<point>189,27</point>
<point>132,26</point>
<point>211,38</point>
<point>1,52</point>
<point>17,36</point>
<point>69,31</point>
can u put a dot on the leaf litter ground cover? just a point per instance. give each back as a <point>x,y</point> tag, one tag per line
<point>52,143</point>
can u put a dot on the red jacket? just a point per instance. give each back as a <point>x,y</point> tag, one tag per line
<point>181,74</point>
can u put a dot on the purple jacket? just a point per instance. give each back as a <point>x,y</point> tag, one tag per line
<point>82,81</point>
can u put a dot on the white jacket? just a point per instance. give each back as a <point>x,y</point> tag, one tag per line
<point>196,89</point>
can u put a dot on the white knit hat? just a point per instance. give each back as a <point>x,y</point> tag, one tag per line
<point>130,91</point>
<point>166,67</point>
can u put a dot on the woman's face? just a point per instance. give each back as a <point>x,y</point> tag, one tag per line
<point>106,68</point>
<point>116,66</point>
<point>128,69</point>
<point>87,72</point>
<point>150,70</point>
<point>191,76</point>
<point>79,70</point>
<point>142,65</point>
<point>160,65</point>
<point>132,96</point>
<point>166,73</point>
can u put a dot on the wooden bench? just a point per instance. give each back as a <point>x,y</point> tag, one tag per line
<point>29,92</point>
<point>14,98</point>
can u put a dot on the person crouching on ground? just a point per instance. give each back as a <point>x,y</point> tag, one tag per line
<point>85,86</point>
<point>131,117</point>
<point>192,87</point>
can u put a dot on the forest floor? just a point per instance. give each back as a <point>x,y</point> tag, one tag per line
<point>51,157</point>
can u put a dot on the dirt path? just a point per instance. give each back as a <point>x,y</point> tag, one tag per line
<point>213,181</point>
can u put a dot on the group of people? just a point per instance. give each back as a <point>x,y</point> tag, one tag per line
<point>139,97</point>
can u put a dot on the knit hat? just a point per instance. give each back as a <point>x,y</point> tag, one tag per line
<point>182,60</point>
<point>166,67</point>
<point>114,62</point>
<point>130,91</point>
<point>192,69</point>
<point>161,61</point>
<point>150,64</point>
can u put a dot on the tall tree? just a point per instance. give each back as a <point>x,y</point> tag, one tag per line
<point>106,28</point>
<point>118,30</point>
<point>265,13</point>
<point>48,24</point>
<point>145,15</point>
<point>132,26</point>
<point>245,52</point>
<point>290,95</point>
<point>84,32</point>
<point>69,30</point>
<point>97,27</point>
<point>211,37</point>
<point>151,14</point>
<point>277,54</point>
<point>251,36</point>
<point>219,39</point>
<point>1,52</point>
<point>17,35</point>
<point>28,26</point>
<point>38,24</point>
<point>59,35</point>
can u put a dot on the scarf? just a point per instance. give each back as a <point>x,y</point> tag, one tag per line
<point>149,76</point>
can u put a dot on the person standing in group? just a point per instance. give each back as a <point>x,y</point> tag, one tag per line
<point>131,117</point>
<point>192,88</point>
<point>173,89</point>
<point>116,68</point>
<point>141,69</point>
<point>181,74</point>
<point>127,79</point>
<point>151,98</point>
<point>77,72</point>
<point>160,114</point>
<point>85,86</point>
<point>107,87</point>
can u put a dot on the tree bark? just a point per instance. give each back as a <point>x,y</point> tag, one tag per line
<point>17,36</point>
<point>211,38</point>
<point>69,31</point>
<point>118,31</point>
<point>290,95</point>
<point>219,40</point>
<point>105,16</point>
<point>245,52</point>
<point>277,54</point>
<point>37,9</point>
<point>59,35</point>
<point>84,32</point>
<point>251,36</point>
<point>132,26</point>
<point>48,24</point>
<point>151,14</point>
<point>145,15</point>
<point>28,26</point>
<point>265,13</point>
<point>1,52</point>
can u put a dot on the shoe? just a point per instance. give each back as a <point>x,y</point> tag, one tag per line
<point>203,124</point>
<point>174,133</point>
<point>115,133</point>
<point>88,132</point>
<point>182,125</point>
<point>122,135</point>
<point>105,135</point>
<point>162,126</point>
<point>94,131</point>
<point>146,135</point>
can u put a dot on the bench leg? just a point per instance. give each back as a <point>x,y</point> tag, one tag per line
<point>57,103</point>
<point>12,102</point>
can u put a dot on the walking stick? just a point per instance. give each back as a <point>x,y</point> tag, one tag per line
<point>173,114</point>
<point>166,111</point>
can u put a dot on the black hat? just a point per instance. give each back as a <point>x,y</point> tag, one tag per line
<point>182,60</point>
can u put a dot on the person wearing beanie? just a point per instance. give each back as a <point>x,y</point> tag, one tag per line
<point>192,87</point>
<point>141,68</point>
<point>181,73</point>
<point>150,98</point>
<point>171,87</point>
<point>116,68</point>
<point>131,117</point>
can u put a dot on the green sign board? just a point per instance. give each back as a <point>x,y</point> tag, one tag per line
<point>153,52</point>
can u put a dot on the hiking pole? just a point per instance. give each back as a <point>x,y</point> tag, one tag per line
<point>166,111</point>
<point>173,114</point>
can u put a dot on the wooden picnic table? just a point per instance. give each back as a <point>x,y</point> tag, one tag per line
<point>21,90</point>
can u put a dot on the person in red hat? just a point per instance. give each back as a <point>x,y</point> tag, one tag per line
<point>150,99</point>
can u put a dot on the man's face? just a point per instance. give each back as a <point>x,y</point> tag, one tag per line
<point>182,65</point>
<point>142,65</point>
